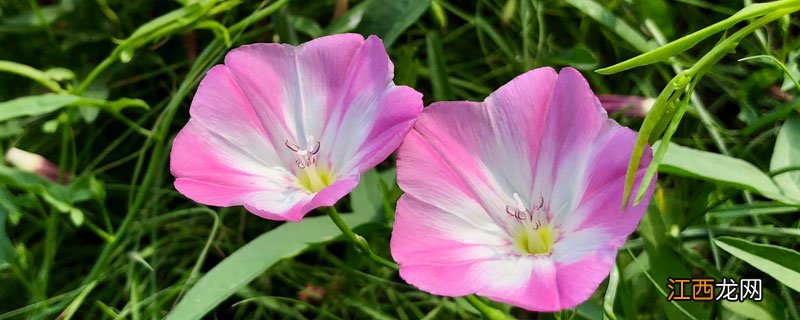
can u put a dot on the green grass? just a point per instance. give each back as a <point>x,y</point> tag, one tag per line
<point>118,241</point>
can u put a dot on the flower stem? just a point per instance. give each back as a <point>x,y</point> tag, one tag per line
<point>361,244</point>
<point>486,310</point>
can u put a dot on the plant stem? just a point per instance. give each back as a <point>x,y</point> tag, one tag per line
<point>486,310</point>
<point>357,240</point>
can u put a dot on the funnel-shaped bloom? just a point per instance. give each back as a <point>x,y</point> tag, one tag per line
<point>283,130</point>
<point>632,106</point>
<point>517,198</point>
<point>34,163</point>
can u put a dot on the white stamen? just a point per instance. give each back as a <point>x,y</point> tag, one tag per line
<point>307,157</point>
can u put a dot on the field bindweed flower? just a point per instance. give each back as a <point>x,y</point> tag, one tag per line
<point>517,198</point>
<point>632,106</point>
<point>283,130</point>
<point>34,163</point>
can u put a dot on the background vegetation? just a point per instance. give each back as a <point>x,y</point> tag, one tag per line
<point>101,88</point>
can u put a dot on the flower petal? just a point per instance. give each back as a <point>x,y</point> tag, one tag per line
<point>602,183</point>
<point>294,89</point>
<point>491,145</point>
<point>302,203</point>
<point>527,282</point>
<point>574,119</point>
<point>446,237</point>
<point>215,171</point>
<point>220,107</point>
<point>373,114</point>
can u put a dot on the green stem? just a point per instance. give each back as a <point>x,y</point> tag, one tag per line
<point>486,310</point>
<point>357,240</point>
<point>97,71</point>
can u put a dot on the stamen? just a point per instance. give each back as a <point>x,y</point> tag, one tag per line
<point>306,157</point>
<point>521,213</point>
<point>292,146</point>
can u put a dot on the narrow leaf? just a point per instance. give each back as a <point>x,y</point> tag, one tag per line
<point>6,249</point>
<point>781,263</point>
<point>254,258</point>
<point>687,42</point>
<point>388,19</point>
<point>440,81</point>
<point>37,75</point>
<point>718,168</point>
<point>597,12</point>
<point>34,105</point>
<point>786,156</point>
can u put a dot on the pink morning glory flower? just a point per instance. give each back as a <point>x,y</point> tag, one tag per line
<point>283,130</point>
<point>632,106</point>
<point>517,198</point>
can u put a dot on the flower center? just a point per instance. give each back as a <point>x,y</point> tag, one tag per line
<point>533,235</point>
<point>537,241</point>
<point>311,176</point>
<point>315,178</point>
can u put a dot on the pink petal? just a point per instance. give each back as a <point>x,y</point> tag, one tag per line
<point>208,171</point>
<point>294,88</point>
<point>446,238</point>
<point>458,131</point>
<point>374,115</point>
<point>221,107</point>
<point>574,119</point>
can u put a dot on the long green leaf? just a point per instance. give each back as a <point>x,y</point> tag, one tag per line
<point>388,19</point>
<point>34,105</point>
<point>34,74</point>
<point>440,81</point>
<point>787,155</point>
<point>687,42</point>
<point>597,12</point>
<point>251,260</point>
<point>769,308</point>
<point>49,102</point>
<point>714,167</point>
<point>6,249</point>
<point>781,263</point>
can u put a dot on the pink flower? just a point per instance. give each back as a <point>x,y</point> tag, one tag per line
<point>34,163</point>
<point>283,130</point>
<point>632,106</point>
<point>517,198</point>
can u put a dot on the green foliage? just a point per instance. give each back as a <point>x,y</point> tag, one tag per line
<point>785,163</point>
<point>251,260</point>
<point>722,169</point>
<point>778,262</point>
<point>100,88</point>
<point>388,19</point>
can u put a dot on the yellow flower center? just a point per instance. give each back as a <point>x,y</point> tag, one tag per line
<point>315,178</point>
<point>537,241</point>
